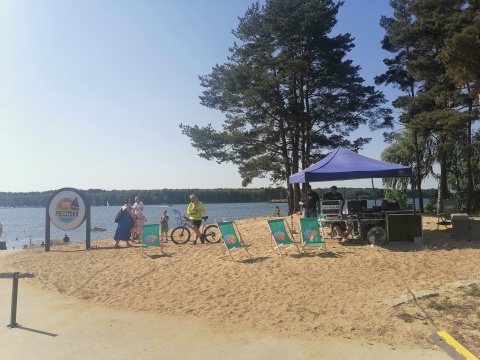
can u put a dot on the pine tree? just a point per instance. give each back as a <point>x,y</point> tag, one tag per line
<point>288,93</point>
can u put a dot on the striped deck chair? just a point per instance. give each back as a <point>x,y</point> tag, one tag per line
<point>280,236</point>
<point>151,237</point>
<point>310,234</point>
<point>232,238</point>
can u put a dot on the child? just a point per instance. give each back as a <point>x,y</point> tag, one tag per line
<point>164,227</point>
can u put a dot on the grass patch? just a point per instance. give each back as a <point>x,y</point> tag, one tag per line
<point>444,304</point>
<point>409,318</point>
<point>406,317</point>
<point>473,290</point>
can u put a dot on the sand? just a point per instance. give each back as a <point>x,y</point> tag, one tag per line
<point>348,295</point>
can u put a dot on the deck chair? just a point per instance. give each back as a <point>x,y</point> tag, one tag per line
<point>151,238</point>
<point>280,236</point>
<point>330,211</point>
<point>232,241</point>
<point>310,234</point>
<point>449,207</point>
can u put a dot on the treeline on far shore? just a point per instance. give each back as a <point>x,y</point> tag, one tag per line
<point>100,197</point>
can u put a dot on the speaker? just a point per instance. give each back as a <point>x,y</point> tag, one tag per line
<point>403,227</point>
<point>356,206</point>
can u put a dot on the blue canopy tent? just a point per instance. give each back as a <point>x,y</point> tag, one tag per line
<point>343,164</point>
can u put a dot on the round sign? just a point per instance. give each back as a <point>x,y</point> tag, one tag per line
<point>67,210</point>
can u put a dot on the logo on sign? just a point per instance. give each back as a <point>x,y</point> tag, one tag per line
<point>67,210</point>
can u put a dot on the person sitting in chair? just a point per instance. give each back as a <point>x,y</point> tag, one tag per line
<point>341,228</point>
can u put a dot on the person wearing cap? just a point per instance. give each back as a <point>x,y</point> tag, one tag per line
<point>340,227</point>
<point>195,211</point>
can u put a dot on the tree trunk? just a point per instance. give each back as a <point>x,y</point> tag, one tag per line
<point>443,191</point>
<point>418,175</point>
<point>469,168</point>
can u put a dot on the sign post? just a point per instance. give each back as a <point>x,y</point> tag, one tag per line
<point>67,209</point>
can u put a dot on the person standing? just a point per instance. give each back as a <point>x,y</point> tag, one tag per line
<point>195,211</point>
<point>164,226</point>
<point>125,224</point>
<point>312,202</point>
<point>139,218</point>
<point>334,195</point>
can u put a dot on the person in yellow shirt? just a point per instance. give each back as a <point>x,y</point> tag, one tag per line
<point>195,211</point>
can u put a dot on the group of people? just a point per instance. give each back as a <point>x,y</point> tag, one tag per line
<point>130,224</point>
<point>312,209</point>
<point>132,219</point>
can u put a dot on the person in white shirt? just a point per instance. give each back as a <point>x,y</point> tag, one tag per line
<point>140,219</point>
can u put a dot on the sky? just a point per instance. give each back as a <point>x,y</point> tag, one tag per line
<point>92,92</point>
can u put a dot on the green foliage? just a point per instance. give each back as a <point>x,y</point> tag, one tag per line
<point>444,304</point>
<point>180,196</point>
<point>397,196</point>
<point>436,64</point>
<point>288,92</point>
<point>431,207</point>
<point>151,197</point>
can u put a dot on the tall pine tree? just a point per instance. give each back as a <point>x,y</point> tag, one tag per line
<point>288,93</point>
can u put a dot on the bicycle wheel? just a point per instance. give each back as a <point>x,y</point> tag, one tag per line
<point>212,234</point>
<point>180,235</point>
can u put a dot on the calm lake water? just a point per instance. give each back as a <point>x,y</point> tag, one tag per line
<point>22,226</point>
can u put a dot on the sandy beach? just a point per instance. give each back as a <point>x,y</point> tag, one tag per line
<point>346,299</point>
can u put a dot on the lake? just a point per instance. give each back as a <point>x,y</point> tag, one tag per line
<point>22,226</point>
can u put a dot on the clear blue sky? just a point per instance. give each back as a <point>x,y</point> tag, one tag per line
<point>92,91</point>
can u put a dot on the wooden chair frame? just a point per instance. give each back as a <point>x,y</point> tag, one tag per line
<point>238,244</point>
<point>288,241</point>
<point>307,231</point>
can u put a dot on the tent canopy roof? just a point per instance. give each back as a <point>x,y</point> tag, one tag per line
<point>343,164</point>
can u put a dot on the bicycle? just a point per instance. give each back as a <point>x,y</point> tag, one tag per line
<point>181,234</point>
